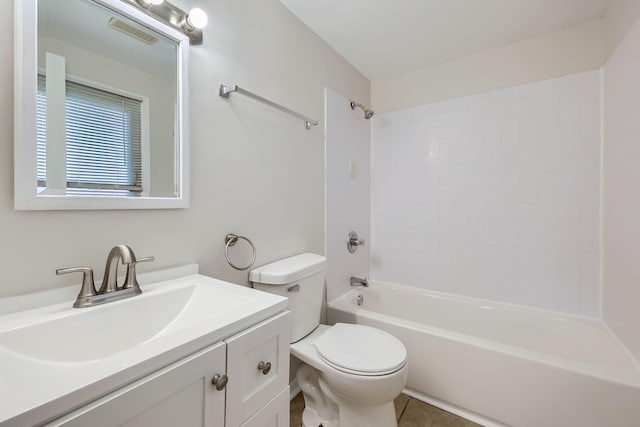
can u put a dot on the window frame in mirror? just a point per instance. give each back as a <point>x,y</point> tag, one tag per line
<point>26,195</point>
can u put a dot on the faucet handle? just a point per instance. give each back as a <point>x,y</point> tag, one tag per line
<point>354,241</point>
<point>131,280</point>
<point>88,288</point>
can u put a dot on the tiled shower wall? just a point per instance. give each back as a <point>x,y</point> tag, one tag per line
<point>494,196</point>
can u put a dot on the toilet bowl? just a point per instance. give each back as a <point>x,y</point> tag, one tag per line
<point>363,392</point>
<point>351,373</point>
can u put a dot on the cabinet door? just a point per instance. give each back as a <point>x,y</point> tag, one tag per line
<point>273,414</point>
<point>178,395</point>
<point>250,387</point>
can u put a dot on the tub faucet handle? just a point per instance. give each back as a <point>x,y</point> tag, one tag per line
<point>354,241</point>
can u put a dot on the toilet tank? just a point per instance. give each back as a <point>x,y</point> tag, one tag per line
<point>301,279</point>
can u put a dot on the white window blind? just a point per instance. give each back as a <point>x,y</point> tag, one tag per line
<point>41,130</point>
<point>103,141</point>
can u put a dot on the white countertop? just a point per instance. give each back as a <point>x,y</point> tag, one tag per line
<point>33,391</point>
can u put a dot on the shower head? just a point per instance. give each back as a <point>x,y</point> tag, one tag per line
<point>367,112</point>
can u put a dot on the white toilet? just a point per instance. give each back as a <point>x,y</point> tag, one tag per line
<point>352,373</point>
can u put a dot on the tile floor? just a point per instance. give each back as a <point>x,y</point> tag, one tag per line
<point>410,413</point>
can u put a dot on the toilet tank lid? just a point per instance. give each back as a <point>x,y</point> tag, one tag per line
<point>288,270</point>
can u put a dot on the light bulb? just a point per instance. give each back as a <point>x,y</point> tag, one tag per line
<point>196,19</point>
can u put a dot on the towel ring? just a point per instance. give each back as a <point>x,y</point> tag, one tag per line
<point>232,239</point>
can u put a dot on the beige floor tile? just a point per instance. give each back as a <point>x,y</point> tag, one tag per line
<point>419,414</point>
<point>296,408</point>
<point>400,403</point>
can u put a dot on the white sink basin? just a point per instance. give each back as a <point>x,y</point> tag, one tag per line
<point>81,335</point>
<point>54,356</point>
<point>89,334</point>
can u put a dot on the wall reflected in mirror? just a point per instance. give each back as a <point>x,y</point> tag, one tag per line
<point>107,104</point>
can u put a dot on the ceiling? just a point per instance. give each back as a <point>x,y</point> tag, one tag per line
<point>383,38</point>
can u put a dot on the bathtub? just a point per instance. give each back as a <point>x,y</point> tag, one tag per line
<point>501,364</point>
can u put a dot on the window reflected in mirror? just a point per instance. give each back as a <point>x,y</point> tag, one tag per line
<point>103,141</point>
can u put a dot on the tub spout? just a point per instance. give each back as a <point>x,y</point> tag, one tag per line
<point>356,281</point>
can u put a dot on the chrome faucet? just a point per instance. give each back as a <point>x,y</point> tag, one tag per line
<point>109,290</point>
<point>354,241</point>
<point>110,280</point>
<point>356,281</point>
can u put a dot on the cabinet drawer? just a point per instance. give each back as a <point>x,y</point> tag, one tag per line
<point>273,414</point>
<point>250,387</point>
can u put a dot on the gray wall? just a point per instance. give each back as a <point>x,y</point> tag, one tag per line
<point>621,180</point>
<point>620,17</point>
<point>254,171</point>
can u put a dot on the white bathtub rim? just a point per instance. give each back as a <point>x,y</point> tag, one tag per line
<point>483,301</point>
<point>454,409</point>
<point>343,303</point>
<point>505,349</point>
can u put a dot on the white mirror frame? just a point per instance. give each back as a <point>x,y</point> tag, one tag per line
<point>25,145</point>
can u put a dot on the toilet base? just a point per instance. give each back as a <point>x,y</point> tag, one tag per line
<point>378,416</point>
<point>310,418</point>
<point>324,408</point>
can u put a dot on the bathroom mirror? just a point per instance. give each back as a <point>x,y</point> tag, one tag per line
<point>100,98</point>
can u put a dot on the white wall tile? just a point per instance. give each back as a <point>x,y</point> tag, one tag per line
<point>494,195</point>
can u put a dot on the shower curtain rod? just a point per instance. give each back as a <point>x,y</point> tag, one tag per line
<point>225,91</point>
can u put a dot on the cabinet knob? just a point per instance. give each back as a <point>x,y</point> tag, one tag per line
<point>220,381</point>
<point>264,367</point>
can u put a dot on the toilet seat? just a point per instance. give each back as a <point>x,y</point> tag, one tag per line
<point>361,350</point>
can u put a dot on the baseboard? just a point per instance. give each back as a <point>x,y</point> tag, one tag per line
<point>461,412</point>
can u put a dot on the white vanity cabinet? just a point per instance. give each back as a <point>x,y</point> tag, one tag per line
<point>178,395</point>
<point>183,395</point>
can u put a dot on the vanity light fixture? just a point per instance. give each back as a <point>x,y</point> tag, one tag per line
<point>190,23</point>
<point>148,3</point>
